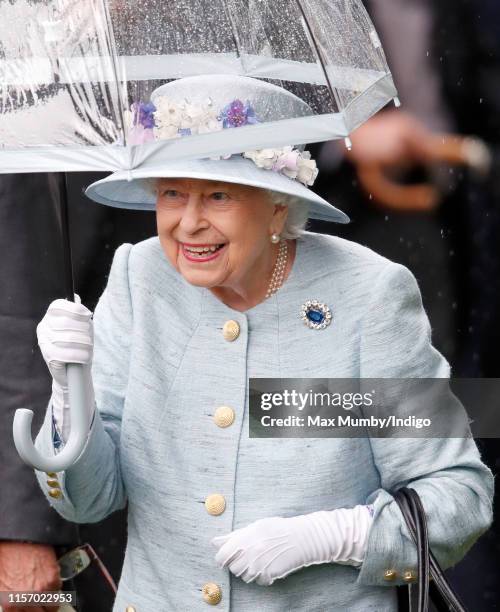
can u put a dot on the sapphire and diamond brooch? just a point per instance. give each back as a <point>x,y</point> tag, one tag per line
<point>316,315</point>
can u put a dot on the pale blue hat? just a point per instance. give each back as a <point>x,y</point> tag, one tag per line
<point>227,104</point>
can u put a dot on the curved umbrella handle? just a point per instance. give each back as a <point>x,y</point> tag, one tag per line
<point>78,434</point>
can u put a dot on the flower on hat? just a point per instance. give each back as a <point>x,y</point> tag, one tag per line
<point>237,114</point>
<point>143,114</point>
<point>287,162</point>
<point>173,120</point>
<point>140,122</point>
<point>167,119</point>
<point>291,162</point>
<point>264,158</point>
<point>307,170</point>
<point>137,135</point>
<point>167,113</point>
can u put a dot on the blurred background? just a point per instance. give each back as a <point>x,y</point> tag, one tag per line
<point>412,200</point>
<point>422,187</point>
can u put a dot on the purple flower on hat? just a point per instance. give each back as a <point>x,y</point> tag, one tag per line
<point>144,114</point>
<point>238,114</point>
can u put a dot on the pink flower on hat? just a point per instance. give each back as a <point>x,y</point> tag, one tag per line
<point>287,162</point>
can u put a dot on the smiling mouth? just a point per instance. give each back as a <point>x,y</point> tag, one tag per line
<point>201,252</point>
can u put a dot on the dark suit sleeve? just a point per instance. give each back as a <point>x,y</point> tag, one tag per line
<point>30,275</point>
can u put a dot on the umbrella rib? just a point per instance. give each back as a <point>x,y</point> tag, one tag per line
<point>234,33</point>
<point>318,53</point>
<point>109,32</point>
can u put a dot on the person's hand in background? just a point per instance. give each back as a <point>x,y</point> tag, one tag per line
<point>28,567</point>
<point>391,138</point>
<point>393,144</point>
<point>387,146</point>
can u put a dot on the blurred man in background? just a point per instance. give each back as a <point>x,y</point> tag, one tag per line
<point>32,535</point>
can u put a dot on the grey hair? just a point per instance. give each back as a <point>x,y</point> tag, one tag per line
<point>298,213</point>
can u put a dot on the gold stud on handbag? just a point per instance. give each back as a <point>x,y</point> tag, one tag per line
<point>440,591</point>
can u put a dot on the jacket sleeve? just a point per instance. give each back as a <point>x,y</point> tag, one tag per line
<point>92,488</point>
<point>456,488</point>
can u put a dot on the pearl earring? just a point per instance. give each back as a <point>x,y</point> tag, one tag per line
<point>275,238</point>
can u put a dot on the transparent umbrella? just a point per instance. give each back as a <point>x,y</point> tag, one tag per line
<point>76,80</point>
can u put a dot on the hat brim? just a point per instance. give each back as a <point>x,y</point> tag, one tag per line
<point>132,189</point>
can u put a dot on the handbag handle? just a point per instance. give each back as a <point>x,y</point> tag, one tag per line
<point>417,525</point>
<point>441,593</point>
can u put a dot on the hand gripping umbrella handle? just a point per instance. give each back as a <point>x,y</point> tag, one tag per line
<point>78,434</point>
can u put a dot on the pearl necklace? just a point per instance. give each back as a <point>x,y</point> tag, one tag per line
<point>279,269</point>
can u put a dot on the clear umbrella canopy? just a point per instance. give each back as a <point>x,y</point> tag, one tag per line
<point>76,78</point>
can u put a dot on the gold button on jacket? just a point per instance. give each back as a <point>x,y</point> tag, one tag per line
<point>53,483</point>
<point>231,330</point>
<point>390,574</point>
<point>215,504</point>
<point>51,474</point>
<point>55,493</point>
<point>224,416</point>
<point>212,593</point>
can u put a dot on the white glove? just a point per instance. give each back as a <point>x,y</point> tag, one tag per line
<point>272,548</point>
<point>66,335</point>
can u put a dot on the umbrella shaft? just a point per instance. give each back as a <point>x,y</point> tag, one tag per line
<point>69,287</point>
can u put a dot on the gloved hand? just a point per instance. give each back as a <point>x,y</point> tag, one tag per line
<point>65,335</point>
<point>272,548</point>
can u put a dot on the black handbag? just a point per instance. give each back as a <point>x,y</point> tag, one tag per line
<point>432,585</point>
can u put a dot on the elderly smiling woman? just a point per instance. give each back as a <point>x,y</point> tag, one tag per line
<point>233,287</point>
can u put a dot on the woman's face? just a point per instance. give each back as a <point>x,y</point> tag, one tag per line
<point>216,234</point>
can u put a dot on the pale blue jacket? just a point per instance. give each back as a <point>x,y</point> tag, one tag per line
<point>162,367</point>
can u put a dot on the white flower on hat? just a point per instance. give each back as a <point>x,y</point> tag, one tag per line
<point>264,158</point>
<point>209,124</point>
<point>294,164</point>
<point>307,169</point>
<point>192,117</point>
<point>206,121</point>
<point>168,114</point>
<point>180,119</point>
